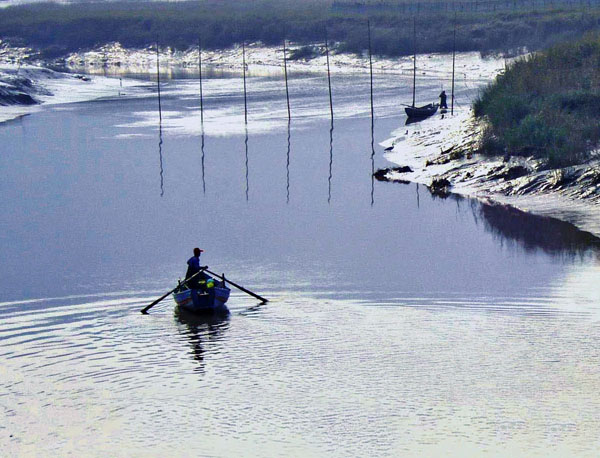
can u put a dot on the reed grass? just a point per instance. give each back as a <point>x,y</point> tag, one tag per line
<point>545,105</point>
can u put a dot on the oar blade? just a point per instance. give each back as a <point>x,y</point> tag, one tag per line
<point>241,288</point>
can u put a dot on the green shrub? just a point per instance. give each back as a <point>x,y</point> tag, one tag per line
<point>305,52</point>
<point>546,105</point>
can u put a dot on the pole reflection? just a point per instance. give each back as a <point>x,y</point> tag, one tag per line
<point>160,158</point>
<point>418,198</point>
<point>202,160</point>
<point>247,171</point>
<point>288,160</point>
<point>372,160</point>
<point>330,161</point>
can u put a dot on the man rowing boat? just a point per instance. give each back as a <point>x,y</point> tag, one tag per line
<point>193,268</point>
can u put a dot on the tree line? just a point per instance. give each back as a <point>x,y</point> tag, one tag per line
<point>59,29</point>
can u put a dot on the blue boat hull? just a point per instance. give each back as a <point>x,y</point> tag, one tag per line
<point>198,301</point>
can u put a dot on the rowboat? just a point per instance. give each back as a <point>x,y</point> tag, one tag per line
<point>211,300</point>
<point>414,112</point>
<point>421,112</point>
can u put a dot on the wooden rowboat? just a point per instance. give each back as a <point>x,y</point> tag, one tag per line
<point>421,112</point>
<point>205,302</point>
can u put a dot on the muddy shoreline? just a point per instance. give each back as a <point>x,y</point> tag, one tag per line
<point>441,154</point>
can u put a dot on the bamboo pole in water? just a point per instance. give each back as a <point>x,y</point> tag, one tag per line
<point>372,118</point>
<point>328,75</point>
<point>287,92</point>
<point>158,82</point>
<point>201,114</point>
<point>245,96</point>
<point>200,79</point>
<point>245,119</point>
<point>371,73</point>
<point>414,58</point>
<point>453,65</point>
<point>331,120</point>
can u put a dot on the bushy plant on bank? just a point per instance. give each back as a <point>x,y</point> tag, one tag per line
<point>546,105</point>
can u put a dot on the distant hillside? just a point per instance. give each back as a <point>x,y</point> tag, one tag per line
<point>483,25</point>
<point>546,105</point>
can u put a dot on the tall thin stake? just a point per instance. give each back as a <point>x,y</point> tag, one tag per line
<point>287,92</point>
<point>331,123</point>
<point>158,83</point>
<point>328,76</point>
<point>245,119</point>
<point>453,64</point>
<point>371,73</point>
<point>414,58</point>
<point>245,97</point>
<point>200,78</point>
<point>372,119</point>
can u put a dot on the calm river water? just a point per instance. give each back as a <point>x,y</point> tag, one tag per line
<point>399,324</point>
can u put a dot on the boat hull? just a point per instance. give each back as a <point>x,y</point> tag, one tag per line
<point>198,301</point>
<point>421,112</point>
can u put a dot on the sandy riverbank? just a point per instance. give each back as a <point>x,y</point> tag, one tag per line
<point>105,71</point>
<point>25,89</point>
<point>440,154</point>
<point>263,60</point>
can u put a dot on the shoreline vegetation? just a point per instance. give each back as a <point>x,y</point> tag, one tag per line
<point>545,105</point>
<point>530,141</point>
<point>490,26</point>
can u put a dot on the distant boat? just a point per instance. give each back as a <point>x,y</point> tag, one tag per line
<point>210,300</point>
<point>421,112</point>
<point>413,112</point>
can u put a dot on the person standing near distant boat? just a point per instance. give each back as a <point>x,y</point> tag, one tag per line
<point>193,268</point>
<point>443,102</point>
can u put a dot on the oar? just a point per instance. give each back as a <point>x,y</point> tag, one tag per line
<point>148,307</point>
<point>241,288</point>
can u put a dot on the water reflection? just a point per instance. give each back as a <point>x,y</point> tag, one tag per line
<point>160,158</point>
<point>200,331</point>
<point>246,147</point>
<point>330,161</point>
<point>530,232</point>
<point>418,197</point>
<point>288,160</point>
<point>372,157</point>
<point>203,155</point>
<point>536,232</point>
<point>253,310</point>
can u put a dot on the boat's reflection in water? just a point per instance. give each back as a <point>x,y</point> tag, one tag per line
<point>201,331</point>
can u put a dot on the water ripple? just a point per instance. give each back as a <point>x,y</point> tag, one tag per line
<point>425,365</point>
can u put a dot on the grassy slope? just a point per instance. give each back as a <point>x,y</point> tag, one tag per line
<point>546,105</point>
<point>64,28</point>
